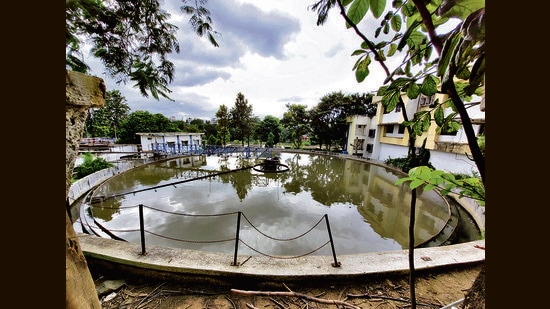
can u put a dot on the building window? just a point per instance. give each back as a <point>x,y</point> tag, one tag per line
<point>389,129</point>
<point>369,148</point>
<point>358,143</point>
<point>401,129</point>
<point>372,132</point>
<point>424,100</point>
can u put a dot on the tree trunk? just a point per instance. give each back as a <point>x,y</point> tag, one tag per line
<point>82,92</point>
<point>475,298</point>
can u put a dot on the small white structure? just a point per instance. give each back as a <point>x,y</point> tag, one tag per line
<point>171,142</point>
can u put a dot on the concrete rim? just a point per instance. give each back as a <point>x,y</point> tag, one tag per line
<point>176,261</point>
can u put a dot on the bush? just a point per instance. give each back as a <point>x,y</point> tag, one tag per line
<point>404,163</point>
<point>90,166</point>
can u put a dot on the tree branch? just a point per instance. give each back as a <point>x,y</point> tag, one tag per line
<point>427,21</point>
<point>360,34</point>
<point>294,294</point>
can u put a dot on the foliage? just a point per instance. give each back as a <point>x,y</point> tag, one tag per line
<point>414,29</point>
<point>296,121</point>
<point>242,119</point>
<point>429,179</point>
<point>270,141</point>
<point>270,125</point>
<point>409,29</point>
<point>481,143</point>
<point>144,122</point>
<point>212,140</point>
<point>223,121</point>
<point>328,119</point>
<point>104,121</point>
<point>403,163</point>
<point>90,165</point>
<point>361,104</point>
<point>131,38</point>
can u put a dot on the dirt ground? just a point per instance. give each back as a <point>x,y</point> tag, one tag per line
<point>433,289</point>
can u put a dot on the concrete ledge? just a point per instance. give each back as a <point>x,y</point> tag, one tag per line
<point>177,261</point>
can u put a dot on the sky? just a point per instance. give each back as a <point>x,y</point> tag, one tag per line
<point>271,51</point>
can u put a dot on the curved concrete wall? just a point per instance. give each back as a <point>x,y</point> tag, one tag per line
<point>83,185</point>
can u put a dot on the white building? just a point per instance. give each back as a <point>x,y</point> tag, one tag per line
<point>382,136</point>
<point>171,142</point>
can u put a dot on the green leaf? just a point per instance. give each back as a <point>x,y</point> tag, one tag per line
<point>392,49</point>
<point>462,8</point>
<point>463,73</point>
<point>396,3</point>
<point>424,172</point>
<point>447,53</point>
<point>417,128</point>
<point>362,70</point>
<point>416,183</point>
<point>380,55</point>
<point>429,85</point>
<point>390,99</point>
<point>413,90</point>
<point>402,180</point>
<point>426,123</point>
<point>405,37</point>
<point>408,9</point>
<point>377,7</point>
<point>346,2</point>
<point>429,187</point>
<point>416,38</point>
<point>386,28</point>
<point>439,116</point>
<point>396,22</point>
<point>454,125</point>
<point>357,10</point>
<point>478,72</point>
<point>358,52</point>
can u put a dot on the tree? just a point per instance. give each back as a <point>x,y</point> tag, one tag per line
<point>222,116</point>
<point>242,120</point>
<point>210,132</point>
<point>328,119</point>
<point>361,104</point>
<point>269,125</point>
<point>132,39</point>
<point>105,121</point>
<point>458,69</point>
<point>296,121</point>
<point>144,122</point>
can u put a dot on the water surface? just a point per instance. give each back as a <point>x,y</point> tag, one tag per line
<point>366,211</point>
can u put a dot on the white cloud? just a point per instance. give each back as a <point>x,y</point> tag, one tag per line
<point>271,51</point>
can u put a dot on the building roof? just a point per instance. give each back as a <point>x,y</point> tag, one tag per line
<point>170,134</point>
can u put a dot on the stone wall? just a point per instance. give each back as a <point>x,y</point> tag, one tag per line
<point>82,93</point>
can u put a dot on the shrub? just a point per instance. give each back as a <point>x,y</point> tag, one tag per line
<point>90,166</point>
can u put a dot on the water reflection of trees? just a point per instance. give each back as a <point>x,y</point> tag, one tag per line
<point>324,177</point>
<point>328,180</point>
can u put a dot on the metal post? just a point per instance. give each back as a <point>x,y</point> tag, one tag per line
<point>141,229</point>
<point>235,263</point>
<point>336,263</point>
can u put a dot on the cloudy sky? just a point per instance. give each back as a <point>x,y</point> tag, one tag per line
<point>271,51</point>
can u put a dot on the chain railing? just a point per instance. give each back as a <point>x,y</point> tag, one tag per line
<point>237,239</point>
